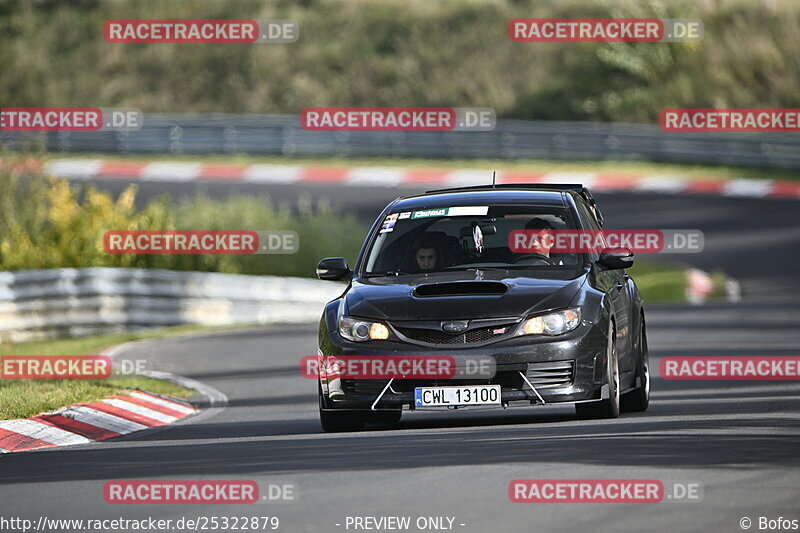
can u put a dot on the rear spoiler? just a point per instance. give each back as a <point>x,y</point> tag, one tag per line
<point>574,187</point>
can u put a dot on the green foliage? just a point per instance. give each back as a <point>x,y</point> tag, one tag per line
<point>403,52</point>
<point>47,223</point>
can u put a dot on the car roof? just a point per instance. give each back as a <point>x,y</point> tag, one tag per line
<point>501,195</point>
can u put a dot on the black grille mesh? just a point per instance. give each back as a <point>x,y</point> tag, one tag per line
<point>432,336</point>
<point>551,374</point>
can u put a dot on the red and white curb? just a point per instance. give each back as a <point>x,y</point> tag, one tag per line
<point>182,172</point>
<point>82,423</point>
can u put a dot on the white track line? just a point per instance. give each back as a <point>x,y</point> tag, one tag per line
<point>216,398</point>
<point>163,403</point>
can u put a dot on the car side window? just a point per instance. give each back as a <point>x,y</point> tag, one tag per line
<point>587,216</point>
<point>588,222</point>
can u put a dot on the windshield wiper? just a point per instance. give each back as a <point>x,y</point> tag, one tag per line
<point>385,274</point>
<point>473,269</point>
<point>495,268</point>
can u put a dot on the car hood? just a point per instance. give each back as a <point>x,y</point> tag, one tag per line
<point>458,296</point>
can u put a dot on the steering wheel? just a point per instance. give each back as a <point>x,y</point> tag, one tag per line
<point>539,257</point>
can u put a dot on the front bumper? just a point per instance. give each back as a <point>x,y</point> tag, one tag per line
<point>564,369</point>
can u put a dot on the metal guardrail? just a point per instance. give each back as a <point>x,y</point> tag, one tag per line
<point>511,139</point>
<point>71,302</point>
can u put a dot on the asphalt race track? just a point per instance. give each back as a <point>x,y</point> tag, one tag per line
<point>738,440</point>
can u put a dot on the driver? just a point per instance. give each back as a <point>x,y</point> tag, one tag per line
<point>540,226</point>
<point>540,246</point>
<point>426,255</point>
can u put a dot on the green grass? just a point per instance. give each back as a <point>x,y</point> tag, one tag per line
<point>665,282</point>
<point>25,398</point>
<point>659,282</point>
<point>529,165</point>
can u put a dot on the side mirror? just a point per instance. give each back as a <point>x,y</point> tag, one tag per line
<point>615,258</point>
<point>334,269</point>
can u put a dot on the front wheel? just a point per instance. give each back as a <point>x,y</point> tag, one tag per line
<point>608,408</point>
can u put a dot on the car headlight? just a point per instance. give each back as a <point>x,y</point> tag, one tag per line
<point>554,323</point>
<point>359,330</point>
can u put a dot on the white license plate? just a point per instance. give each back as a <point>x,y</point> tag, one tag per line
<point>456,396</point>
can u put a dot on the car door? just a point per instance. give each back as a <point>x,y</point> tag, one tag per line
<point>616,284</point>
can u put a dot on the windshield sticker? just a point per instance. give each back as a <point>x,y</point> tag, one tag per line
<point>388,223</point>
<point>480,210</point>
<point>429,213</point>
<point>404,215</point>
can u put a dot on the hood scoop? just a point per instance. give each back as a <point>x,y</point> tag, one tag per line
<point>461,288</point>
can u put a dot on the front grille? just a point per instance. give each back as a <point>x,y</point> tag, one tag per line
<point>433,336</point>
<point>363,387</point>
<point>551,374</point>
<point>373,387</point>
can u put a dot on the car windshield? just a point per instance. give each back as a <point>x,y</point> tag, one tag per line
<point>451,239</point>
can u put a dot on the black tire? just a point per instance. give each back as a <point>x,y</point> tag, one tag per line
<point>339,421</point>
<point>608,408</point>
<point>385,418</point>
<point>638,399</point>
